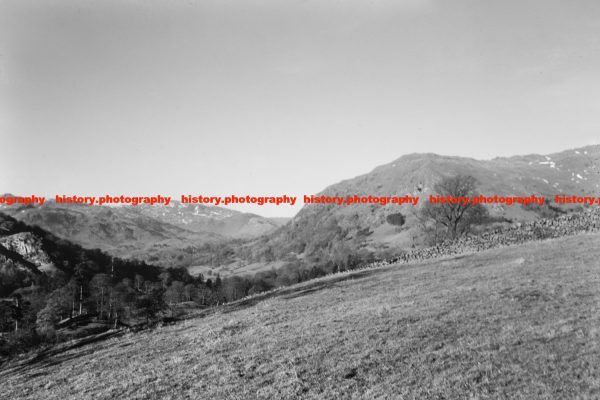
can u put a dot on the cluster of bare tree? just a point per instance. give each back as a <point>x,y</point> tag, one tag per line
<point>85,286</point>
<point>52,308</point>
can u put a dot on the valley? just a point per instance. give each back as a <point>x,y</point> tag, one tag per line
<point>215,240</point>
<point>511,323</point>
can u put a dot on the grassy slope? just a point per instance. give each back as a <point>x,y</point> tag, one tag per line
<point>520,322</point>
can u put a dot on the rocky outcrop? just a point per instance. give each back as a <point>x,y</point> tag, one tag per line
<point>28,246</point>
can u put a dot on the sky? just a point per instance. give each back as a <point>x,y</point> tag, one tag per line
<point>272,97</point>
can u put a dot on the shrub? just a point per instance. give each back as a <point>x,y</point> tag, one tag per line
<point>396,219</point>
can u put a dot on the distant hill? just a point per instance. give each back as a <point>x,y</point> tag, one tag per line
<point>121,231</point>
<point>570,172</point>
<point>29,252</point>
<point>212,239</point>
<point>174,235</point>
<point>212,219</point>
<point>320,231</point>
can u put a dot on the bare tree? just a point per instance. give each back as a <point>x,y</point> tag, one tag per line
<point>190,292</point>
<point>123,298</point>
<point>166,279</point>
<point>100,284</point>
<point>456,216</point>
<point>174,293</point>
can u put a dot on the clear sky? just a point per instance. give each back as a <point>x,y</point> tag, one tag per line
<point>280,96</point>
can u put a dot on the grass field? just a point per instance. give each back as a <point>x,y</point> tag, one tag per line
<point>514,323</point>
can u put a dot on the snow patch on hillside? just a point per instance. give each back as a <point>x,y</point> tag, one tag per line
<point>551,164</point>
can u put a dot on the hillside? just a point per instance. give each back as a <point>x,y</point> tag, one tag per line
<point>212,219</point>
<point>319,231</point>
<point>510,323</point>
<point>574,171</point>
<point>209,239</point>
<point>174,235</point>
<point>29,256</point>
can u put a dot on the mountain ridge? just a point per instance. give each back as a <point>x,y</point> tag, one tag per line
<point>318,231</point>
<point>212,237</point>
